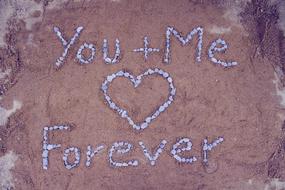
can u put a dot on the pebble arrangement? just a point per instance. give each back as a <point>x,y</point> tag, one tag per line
<point>146,49</point>
<point>66,45</point>
<point>183,41</point>
<point>176,150</point>
<point>136,82</point>
<point>66,153</point>
<point>121,147</point>
<point>47,147</point>
<point>207,147</point>
<point>148,155</point>
<point>213,48</point>
<point>81,58</point>
<point>116,58</point>
<point>91,153</point>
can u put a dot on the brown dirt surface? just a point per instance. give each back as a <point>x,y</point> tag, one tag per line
<point>238,103</point>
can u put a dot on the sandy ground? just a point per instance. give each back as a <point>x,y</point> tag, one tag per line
<point>239,103</point>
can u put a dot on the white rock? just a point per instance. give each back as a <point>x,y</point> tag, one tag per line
<point>45,154</point>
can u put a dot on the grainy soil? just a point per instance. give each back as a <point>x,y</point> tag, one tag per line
<point>238,103</point>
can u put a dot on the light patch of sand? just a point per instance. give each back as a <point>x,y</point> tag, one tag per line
<point>279,92</point>
<point>5,73</point>
<point>275,184</point>
<point>25,9</point>
<point>235,7</point>
<point>232,14</point>
<point>7,162</point>
<point>30,40</point>
<point>19,9</point>
<point>6,11</point>
<point>281,10</point>
<point>56,4</point>
<point>281,21</point>
<point>251,184</point>
<point>6,113</point>
<point>232,10</point>
<point>219,30</point>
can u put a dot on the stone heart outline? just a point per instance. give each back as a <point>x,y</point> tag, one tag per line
<point>136,82</point>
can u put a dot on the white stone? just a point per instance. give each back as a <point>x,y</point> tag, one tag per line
<point>49,147</point>
<point>45,154</point>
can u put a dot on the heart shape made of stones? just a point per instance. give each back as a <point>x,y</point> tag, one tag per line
<point>136,82</point>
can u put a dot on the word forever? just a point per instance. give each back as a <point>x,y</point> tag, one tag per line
<point>120,148</point>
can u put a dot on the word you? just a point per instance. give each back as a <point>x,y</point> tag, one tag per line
<point>123,147</point>
<point>136,82</point>
<point>217,46</point>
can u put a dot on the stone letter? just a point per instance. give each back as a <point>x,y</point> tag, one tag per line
<point>183,41</point>
<point>46,146</point>
<point>121,148</point>
<point>66,45</point>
